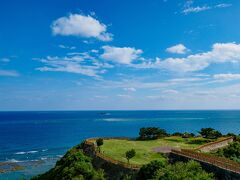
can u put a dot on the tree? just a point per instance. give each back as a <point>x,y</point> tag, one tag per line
<point>187,135</point>
<point>151,133</point>
<point>148,171</point>
<point>210,133</point>
<point>130,154</point>
<point>99,142</point>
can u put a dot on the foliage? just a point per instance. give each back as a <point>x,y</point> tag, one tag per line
<point>99,142</point>
<point>178,171</point>
<point>73,165</point>
<point>149,133</point>
<point>177,134</point>
<point>232,151</point>
<point>187,135</point>
<point>130,154</point>
<point>210,133</point>
<point>187,171</point>
<point>148,171</point>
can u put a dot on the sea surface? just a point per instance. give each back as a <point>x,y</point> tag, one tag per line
<point>36,140</point>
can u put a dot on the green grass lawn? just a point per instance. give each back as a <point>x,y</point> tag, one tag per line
<point>116,148</point>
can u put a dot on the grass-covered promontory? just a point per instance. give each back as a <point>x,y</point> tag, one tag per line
<point>73,165</point>
<point>145,149</point>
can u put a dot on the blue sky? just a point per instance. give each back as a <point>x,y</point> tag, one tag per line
<point>102,54</point>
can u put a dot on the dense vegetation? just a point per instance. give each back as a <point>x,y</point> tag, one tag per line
<point>232,151</point>
<point>178,171</point>
<point>73,165</point>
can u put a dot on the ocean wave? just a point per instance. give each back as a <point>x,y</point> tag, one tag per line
<point>59,156</point>
<point>153,119</point>
<point>43,150</point>
<point>13,161</point>
<point>116,120</point>
<point>27,152</point>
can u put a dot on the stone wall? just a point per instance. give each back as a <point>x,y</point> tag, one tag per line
<point>215,145</point>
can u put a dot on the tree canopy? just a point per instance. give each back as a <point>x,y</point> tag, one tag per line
<point>149,133</point>
<point>178,171</point>
<point>210,133</point>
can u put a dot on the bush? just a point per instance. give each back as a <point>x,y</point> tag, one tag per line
<point>210,133</point>
<point>232,151</point>
<point>73,165</point>
<point>149,133</point>
<point>187,171</point>
<point>187,135</point>
<point>148,171</point>
<point>178,171</point>
<point>177,134</point>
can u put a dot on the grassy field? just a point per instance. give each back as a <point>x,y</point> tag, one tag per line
<point>116,148</point>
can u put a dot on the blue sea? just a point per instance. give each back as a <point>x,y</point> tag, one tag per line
<point>36,140</point>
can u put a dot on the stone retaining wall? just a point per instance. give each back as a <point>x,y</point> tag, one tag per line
<point>215,145</point>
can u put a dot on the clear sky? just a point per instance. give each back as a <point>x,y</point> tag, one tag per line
<point>119,54</point>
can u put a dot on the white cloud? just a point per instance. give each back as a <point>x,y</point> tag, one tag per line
<point>130,89</point>
<point>177,49</point>
<point>223,5</point>
<point>188,8</point>
<point>220,53</point>
<point>122,55</point>
<point>81,25</point>
<point>8,73</point>
<point>226,77</point>
<point>124,95</point>
<point>67,47</point>
<point>195,9</point>
<point>170,91</point>
<point>80,63</point>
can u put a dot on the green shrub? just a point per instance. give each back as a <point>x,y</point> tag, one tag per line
<point>187,171</point>
<point>148,171</point>
<point>232,151</point>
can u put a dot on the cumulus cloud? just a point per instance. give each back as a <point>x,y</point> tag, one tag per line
<point>122,55</point>
<point>177,49</point>
<point>81,25</point>
<point>220,53</point>
<point>11,73</point>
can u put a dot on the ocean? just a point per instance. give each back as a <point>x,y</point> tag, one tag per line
<point>36,140</point>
